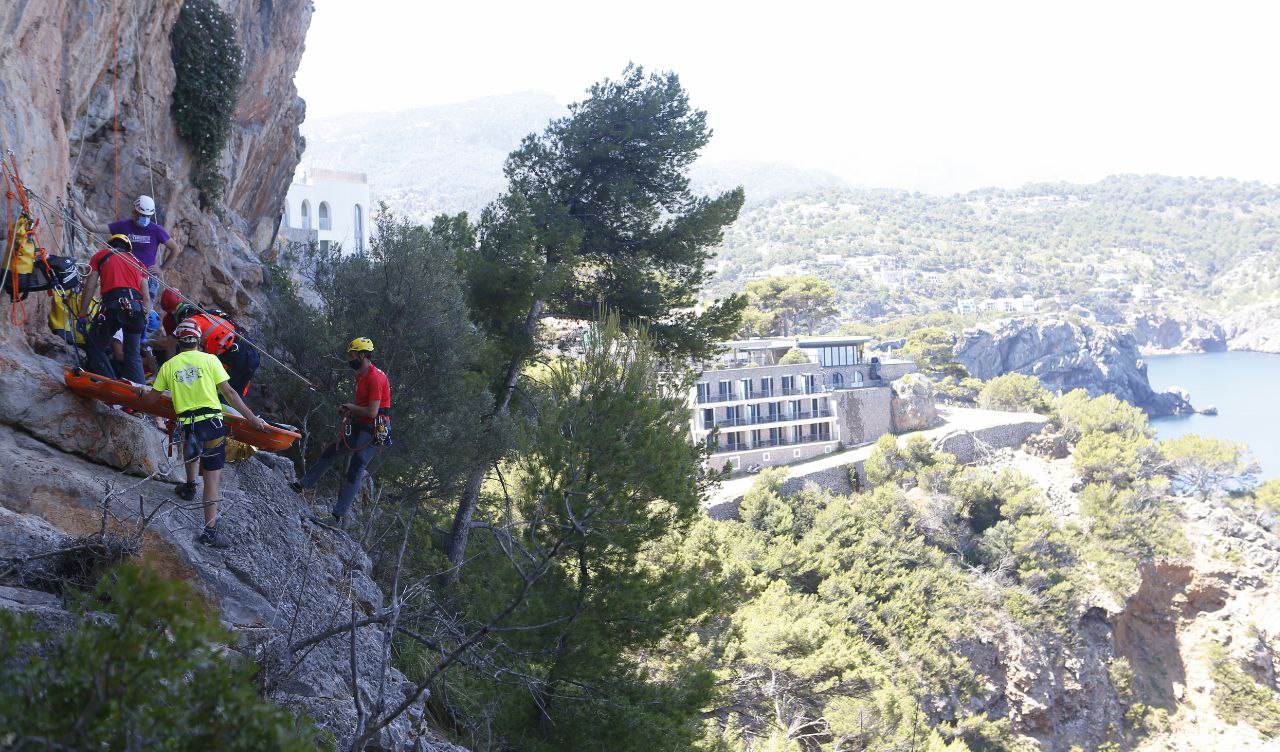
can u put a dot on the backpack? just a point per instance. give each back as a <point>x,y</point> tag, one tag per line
<point>29,268</point>
<point>62,316</point>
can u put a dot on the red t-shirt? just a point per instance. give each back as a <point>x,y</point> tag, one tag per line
<point>373,385</point>
<point>121,270</point>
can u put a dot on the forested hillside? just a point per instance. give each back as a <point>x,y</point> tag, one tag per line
<point>1206,242</point>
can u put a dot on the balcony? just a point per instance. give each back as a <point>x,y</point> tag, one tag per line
<point>734,396</point>
<point>768,443</point>
<point>774,418</point>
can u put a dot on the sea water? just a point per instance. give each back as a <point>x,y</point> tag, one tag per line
<point>1242,385</point>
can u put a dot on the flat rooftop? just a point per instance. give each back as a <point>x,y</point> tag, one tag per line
<point>834,341</point>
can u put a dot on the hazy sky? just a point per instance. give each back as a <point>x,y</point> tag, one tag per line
<point>931,96</point>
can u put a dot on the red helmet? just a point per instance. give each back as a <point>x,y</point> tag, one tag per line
<point>219,334</point>
<point>169,299</point>
<point>188,331</point>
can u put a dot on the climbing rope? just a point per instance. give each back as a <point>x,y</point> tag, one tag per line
<point>90,234</point>
<point>115,102</point>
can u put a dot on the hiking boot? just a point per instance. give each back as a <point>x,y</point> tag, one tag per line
<point>186,491</point>
<point>213,537</point>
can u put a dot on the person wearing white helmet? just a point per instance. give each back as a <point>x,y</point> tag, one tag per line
<point>147,235</point>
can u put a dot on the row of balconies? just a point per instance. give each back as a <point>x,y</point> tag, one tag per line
<point>733,396</point>
<point>743,446</point>
<point>768,418</point>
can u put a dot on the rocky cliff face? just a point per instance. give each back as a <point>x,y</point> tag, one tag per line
<point>1256,327</point>
<point>56,64</point>
<point>1066,355</point>
<point>1159,333</point>
<point>1071,691</point>
<point>68,458</point>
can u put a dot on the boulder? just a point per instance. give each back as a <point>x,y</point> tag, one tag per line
<point>912,405</point>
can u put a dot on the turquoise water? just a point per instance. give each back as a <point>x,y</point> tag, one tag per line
<point>1242,385</point>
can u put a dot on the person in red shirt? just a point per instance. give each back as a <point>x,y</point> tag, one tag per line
<point>126,305</point>
<point>365,428</point>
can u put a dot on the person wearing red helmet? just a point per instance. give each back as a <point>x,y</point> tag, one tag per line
<point>195,379</point>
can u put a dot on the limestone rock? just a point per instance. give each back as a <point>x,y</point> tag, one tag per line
<point>1066,355</point>
<point>283,579</point>
<point>1177,332</point>
<point>913,404</point>
<point>34,399</point>
<point>1048,444</point>
<point>1256,327</point>
<point>58,61</point>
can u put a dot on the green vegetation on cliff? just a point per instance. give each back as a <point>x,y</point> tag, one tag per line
<point>142,667</point>
<point>1208,240</point>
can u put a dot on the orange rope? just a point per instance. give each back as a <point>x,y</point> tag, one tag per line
<point>115,103</point>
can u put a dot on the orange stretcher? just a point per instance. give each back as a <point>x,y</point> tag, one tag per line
<point>118,392</point>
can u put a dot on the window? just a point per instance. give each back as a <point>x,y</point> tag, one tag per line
<point>844,355</point>
<point>764,457</point>
<point>828,450</point>
<point>810,383</point>
<point>837,381</point>
<point>306,214</point>
<point>788,384</point>
<point>709,418</point>
<point>795,452</point>
<point>735,463</point>
<point>325,224</point>
<point>704,391</point>
<point>857,378</point>
<point>744,388</point>
<point>358,228</point>
<point>726,390</point>
<point>766,386</point>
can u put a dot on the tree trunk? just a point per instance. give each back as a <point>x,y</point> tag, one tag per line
<point>457,545</point>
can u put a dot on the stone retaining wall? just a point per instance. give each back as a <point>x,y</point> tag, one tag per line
<point>967,446</point>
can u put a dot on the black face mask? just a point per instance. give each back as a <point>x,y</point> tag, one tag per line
<point>355,364</point>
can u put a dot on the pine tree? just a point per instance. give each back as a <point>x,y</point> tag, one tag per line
<point>599,218</point>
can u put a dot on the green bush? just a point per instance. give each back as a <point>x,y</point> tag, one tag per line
<point>1239,698</point>
<point>208,67</point>
<point>141,669</point>
<point>1016,392</point>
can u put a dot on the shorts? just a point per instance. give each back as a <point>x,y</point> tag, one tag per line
<point>206,439</point>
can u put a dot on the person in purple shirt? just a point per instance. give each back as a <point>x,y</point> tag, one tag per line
<point>147,236</point>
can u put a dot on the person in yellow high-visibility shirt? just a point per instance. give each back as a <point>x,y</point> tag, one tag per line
<point>195,379</point>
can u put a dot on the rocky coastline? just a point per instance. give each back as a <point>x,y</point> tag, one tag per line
<point>1065,355</point>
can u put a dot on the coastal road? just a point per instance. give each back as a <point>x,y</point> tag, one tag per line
<point>955,420</point>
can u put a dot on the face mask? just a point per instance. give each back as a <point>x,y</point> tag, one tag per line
<point>354,364</point>
<point>143,221</point>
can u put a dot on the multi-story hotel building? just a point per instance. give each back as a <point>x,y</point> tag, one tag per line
<point>760,411</point>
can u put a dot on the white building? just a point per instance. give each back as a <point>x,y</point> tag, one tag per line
<point>334,204</point>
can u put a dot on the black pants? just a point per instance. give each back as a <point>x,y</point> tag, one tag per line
<point>119,311</point>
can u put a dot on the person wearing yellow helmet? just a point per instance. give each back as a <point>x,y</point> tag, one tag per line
<point>126,304</point>
<point>365,427</point>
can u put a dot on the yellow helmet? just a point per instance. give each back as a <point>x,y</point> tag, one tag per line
<point>120,242</point>
<point>360,344</point>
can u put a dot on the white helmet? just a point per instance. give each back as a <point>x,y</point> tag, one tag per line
<point>145,206</point>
